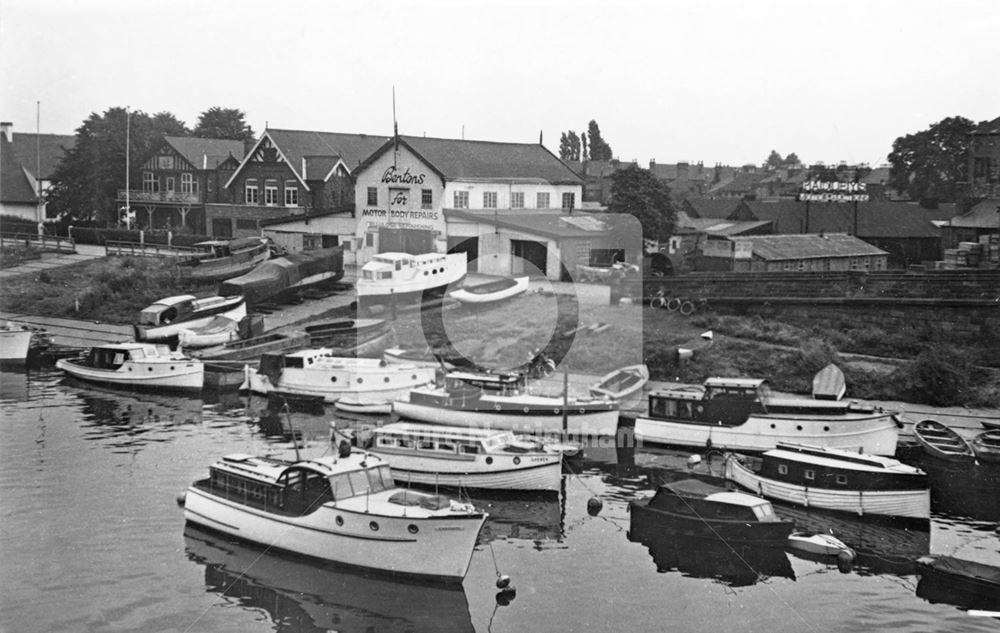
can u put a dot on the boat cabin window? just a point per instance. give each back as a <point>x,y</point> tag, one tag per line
<point>731,393</point>
<point>810,474</point>
<point>242,489</point>
<point>360,482</point>
<point>386,274</point>
<point>782,469</point>
<point>765,512</point>
<point>469,449</point>
<point>368,274</point>
<point>664,407</point>
<point>446,447</point>
<point>387,441</point>
<point>842,480</point>
<point>425,445</point>
<point>295,361</point>
<point>106,358</point>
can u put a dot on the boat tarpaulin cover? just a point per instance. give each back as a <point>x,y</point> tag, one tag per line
<point>274,276</point>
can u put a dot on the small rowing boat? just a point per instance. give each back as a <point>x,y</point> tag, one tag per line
<point>624,385</point>
<point>941,441</point>
<point>491,291</point>
<point>986,445</point>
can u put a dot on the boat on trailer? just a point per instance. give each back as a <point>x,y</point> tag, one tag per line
<point>987,446</point>
<point>741,414</point>
<point>491,291</point>
<point>624,385</point>
<point>501,401</point>
<point>318,373</point>
<point>402,278</point>
<point>343,508</point>
<point>461,457</point>
<point>833,479</point>
<point>137,366</point>
<point>942,442</point>
<point>164,320</point>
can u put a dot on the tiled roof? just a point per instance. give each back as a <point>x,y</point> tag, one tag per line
<point>317,167</point>
<point>988,127</point>
<point>352,148</point>
<point>20,159</point>
<point>461,159</point>
<point>809,246</point>
<point>713,207</point>
<point>743,182</point>
<point>985,215</point>
<point>199,151</point>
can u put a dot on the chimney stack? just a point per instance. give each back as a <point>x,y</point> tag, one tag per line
<point>7,128</point>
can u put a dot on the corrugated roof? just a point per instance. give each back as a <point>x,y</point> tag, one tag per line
<point>463,159</point>
<point>809,246</point>
<point>877,218</point>
<point>557,225</point>
<point>985,215</point>
<point>199,151</point>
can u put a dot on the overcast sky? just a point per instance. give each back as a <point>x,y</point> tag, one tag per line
<point>698,81</point>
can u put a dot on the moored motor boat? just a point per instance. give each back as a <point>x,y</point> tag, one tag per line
<point>965,583</point>
<point>942,442</point>
<point>163,320</point>
<point>987,446</point>
<point>461,457</point>
<point>137,365</point>
<point>624,385</point>
<point>492,291</point>
<point>833,479</point>
<point>741,414</point>
<point>343,508</point>
<point>318,373</point>
<point>697,509</point>
<point>15,341</point>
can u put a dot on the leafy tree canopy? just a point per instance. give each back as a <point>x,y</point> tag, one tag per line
<point>569,146</point>
<point>228,123</point>
<point>599,149</point>
<point>928,164</point>
<point>774,159</point>
<point>88,178</point>
<point>636,191</point>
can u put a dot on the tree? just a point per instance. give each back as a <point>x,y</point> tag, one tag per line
<point>636,191</point>
<point>89,176</point>
<point>584,147</point>
<point>774,160</point>
<point>791,160</point>
<point>569,146</point>
<point>228,123</point>
<point>929,164</point>
<point>599,149</point>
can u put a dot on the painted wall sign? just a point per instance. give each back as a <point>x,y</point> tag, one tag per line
<point>392,176</point>
<point>818,191</point>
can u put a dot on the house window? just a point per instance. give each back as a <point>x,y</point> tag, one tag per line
<point>517,200</point>
<point>426,198</point>
<point>372,196</point>
<point>149,182</point>
<point>171,184</point>
<point>542,200</point>
<point>251,194</point>
<point>489,200</point>
<point>369,239</point>
<point>270,192</point>
<point>187,183</point>
<point>291,194</point>
<point>461,199</point>
<point>568,200</point>
<point>810,474</point>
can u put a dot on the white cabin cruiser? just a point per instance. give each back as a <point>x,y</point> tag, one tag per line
<point>137,365</point>
<point>164,320</point>
<point>405,278</point>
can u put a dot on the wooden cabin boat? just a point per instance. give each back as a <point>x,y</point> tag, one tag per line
<point>491,291</point>
<point>219,331</point>
<point>461,457</point>
<point>321,597</point>
<point>222,259</point>
<point>741,414</point>
<point>282,276</point>
<point>942,442</point>
<point>986,445</point>
<point>964,583</point>
<point>624,385</point>
<point>163,321</point>
<point>500,401</point>
<point>318,373</point>
<point>833,479</point>
<point>15,341</point>
<point>405,279</point>
<point>137,365</point>
<point>343,508</point>
<point>694,508</point>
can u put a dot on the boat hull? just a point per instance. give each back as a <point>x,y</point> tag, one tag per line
<point>942,442</point>
<point>380,388</point>
<point>647,523</point>
<point>875,434</point>
<point>986,445</point>
<point>462,295</point>
<point>506,472</point>
<point>440,547</point>
<point>534,419</point>
<point>185,375</point>
<point>914,504</point>
<point>235,310</point>
<point>14,346</point>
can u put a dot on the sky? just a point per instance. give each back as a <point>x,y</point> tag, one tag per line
<point>713,81</point>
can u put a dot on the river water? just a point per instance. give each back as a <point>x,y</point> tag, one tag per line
<point>92,540</point>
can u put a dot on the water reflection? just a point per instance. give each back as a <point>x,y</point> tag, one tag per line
<point>964,584</point>
<point>730,564</point>
<point>305,596</point>
<point>522,516</point>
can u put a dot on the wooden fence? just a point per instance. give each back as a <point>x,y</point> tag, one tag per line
<point>41,242</point>
<point>137,249</point>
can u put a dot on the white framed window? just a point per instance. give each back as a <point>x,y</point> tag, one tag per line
<point>270,192</point>
<point>542,200</point>
<point>149,182</point>
<point>426,198</point>
<point>291,194</point>
<point>517,200</point>
<point>251,193</point>
<point>568,200</point>
<point>489,200</point>
<point>461,199</point>
<point>187,183</point>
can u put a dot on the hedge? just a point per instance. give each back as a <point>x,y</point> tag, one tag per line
<point>87,235</point>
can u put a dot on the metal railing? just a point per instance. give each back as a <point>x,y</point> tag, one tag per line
<point>41,242</point>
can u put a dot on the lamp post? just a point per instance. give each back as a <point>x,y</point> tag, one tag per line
<point>128,151</point>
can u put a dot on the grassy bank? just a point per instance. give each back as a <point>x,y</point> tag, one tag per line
<point>12,255</point>
<point>109,289</point>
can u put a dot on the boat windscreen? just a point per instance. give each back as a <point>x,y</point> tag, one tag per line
<point>151,315</point>
<point>765,513</point>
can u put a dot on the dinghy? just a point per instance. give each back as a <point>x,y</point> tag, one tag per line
<point>987,446</point>
<point>491,291</point>
<point>624,385</point>
<point>942,442</point>
<point>818,544</point>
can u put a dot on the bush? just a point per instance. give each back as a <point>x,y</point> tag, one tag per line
<point>939,376</point>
